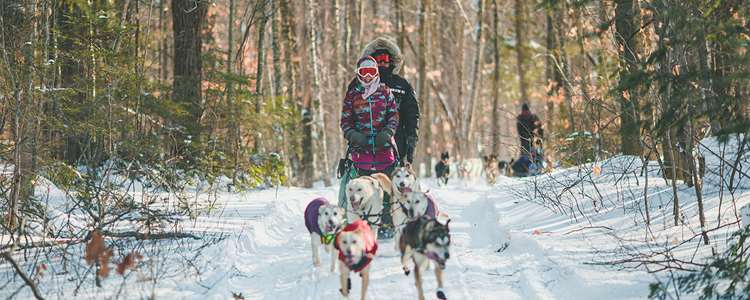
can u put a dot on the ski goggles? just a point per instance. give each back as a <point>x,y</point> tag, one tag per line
<point>383,58</point>
<point>366,72</point>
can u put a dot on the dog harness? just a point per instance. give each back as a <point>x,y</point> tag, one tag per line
<point>370,247</point>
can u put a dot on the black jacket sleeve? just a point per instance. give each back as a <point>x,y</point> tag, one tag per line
<point>409,111</point>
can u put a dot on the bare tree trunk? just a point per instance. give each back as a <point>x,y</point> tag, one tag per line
<point>520,23</point>
<point>187,21</point>
<point>563,68</point>
<point>627,22</point>
<point>319,132</point>
<point>19,63</point>
<point>495,80</point>
<point>697,178</point>
<point>400,26</point>
<point>275,50</point>
<point>585,74</point>
<point>476,79</point>
<point>458,86</point>
<point>551,73</point>
<point>234,138</point>
<point>259,70</point>
<point>290,46</point>
<point>422,87</point>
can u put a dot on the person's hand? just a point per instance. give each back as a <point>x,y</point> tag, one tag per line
<point>357,139</point>
<point>382,139</point>
<point>412,141</point>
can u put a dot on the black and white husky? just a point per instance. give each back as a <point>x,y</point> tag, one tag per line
<point>423,240</point>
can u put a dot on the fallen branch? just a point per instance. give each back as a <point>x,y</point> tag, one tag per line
<point>23,275</point>
<point>150,236</point>
<point>588,227</point>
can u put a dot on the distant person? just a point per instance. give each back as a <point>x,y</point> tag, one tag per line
<point>390,59</point>
<point>528,125</point>
<point>442,169</point>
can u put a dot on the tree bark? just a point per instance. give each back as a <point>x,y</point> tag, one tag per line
<point>520,24</point>
<point>258,144</point>
<point>316,106</point>
<point>550,70</point>
<point>627,23</point>
<point>290,46</point>
<point>495,80</point>
<point>187,21</point>
<point>476,79</point>
<point>422,90</point>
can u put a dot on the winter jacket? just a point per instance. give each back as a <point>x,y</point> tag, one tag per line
<point>408,108</point>
<point>526,124</point>
<point>370,246</point>
<point>377,113</point>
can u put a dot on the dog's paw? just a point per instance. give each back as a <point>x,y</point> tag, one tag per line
<point>348,285</point>
<point>316,263</point>
<point>345,294</point>
<point>406,271</point>
<point>441,294</point>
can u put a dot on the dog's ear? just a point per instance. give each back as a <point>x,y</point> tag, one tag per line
<point>385,183</point>
<point>447,223</point>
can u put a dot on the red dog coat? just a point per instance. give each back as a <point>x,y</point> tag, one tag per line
<point>371,245</point>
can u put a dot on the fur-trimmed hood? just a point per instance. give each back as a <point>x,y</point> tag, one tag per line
<point>388,44</point>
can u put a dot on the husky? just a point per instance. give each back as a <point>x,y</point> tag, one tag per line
<point>323,221</point>
<point>420,204</point>
<point>404,181</point>
<point>404,178</point>
<point>424,240</point>
<point>491,168</point>
<point>365,198</point>
<point>357,246</point>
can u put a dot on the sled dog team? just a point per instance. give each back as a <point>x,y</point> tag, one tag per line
<point>422,233</point>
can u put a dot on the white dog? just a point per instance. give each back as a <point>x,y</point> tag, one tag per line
<point>365,198</point>
<point>471,169</point>
<point>323,221</point>
<point>419,204</point>
<point>357,246</point>
<point>405,179</point>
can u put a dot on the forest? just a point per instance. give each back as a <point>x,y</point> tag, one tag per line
<point>132,108</point>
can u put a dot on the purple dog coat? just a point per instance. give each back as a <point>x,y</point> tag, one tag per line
<point>431,206</point>
<point>311,215</point>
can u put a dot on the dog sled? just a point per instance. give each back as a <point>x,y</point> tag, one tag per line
<point>530,163</point>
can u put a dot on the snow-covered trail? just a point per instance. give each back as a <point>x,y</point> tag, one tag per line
<point>268,255</point>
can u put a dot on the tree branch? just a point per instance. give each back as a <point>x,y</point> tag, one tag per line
<point>23,275</point>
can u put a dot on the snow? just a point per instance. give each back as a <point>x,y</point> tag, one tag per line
<point>507,243</point>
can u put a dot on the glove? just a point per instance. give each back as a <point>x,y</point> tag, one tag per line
<point>357,139</point>
<point>412,141</point>
<point>382,139</point>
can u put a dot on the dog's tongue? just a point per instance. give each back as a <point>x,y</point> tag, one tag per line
<point>405,190</point>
